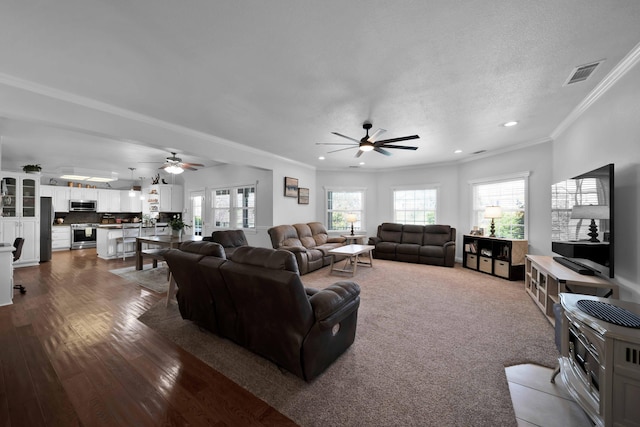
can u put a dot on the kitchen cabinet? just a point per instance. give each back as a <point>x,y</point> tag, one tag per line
<point>59,195</point>
<point>20,209</point>
<point>77,193</point>
<point>60,237</point>
<point>130,204</point>
<point>165,198</point>
<point>108,200</point>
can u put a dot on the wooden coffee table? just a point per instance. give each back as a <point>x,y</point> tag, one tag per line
<point>352,252</point>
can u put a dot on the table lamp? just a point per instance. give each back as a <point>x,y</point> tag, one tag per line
<point>591,212</point>
<point>351,218</point>
<point>493,212</point>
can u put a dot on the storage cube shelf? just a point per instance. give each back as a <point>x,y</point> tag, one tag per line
<point>499,257</point>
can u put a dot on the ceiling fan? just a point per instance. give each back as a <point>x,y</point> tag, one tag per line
<point>175,165</point>
<point>371,143</point>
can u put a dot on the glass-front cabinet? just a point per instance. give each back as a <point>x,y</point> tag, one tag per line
<point>20,213</point>
<point>18,197</point>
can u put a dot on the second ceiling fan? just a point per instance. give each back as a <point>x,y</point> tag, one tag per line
<point>371,143</point>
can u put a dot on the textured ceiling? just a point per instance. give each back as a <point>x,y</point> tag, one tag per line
<point>280,76</point>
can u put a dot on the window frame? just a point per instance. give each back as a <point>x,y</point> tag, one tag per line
<point>360,227</point>
<point>233,209</point>
<point>425,187</point>
<point>524,176</point>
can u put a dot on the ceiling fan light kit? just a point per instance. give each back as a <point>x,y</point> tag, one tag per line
<point>371,143</point>
<point>174,165</point>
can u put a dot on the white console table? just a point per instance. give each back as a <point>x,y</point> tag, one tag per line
<point>6,273</point>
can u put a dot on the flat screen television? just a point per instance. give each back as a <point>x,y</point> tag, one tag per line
<point>582,222</point>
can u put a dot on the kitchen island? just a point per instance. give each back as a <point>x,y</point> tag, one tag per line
<point>109,248</point>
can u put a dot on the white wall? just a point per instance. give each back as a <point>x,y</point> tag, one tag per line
<point>536,160</point>
<point>211,178</point>
<point>609,132</point>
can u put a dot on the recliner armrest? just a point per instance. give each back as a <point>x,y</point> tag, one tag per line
<point>336,239</point>
<point>334,303</point>
<point>374,240</point>
<point>294,249</point>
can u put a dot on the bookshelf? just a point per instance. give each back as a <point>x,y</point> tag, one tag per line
<point>498,257</point>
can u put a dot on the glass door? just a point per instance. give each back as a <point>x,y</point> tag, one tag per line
<point>197,214</point>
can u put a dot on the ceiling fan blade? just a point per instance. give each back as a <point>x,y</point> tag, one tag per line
<point>341,149</point>
<point>402,147</point>
<point>188,167</point>
<point>345,136</point>
<point>376,134</point>
<point>402,138</point>
<point>335,143</point>
<point>192,164</point>
<point>359,153</point>
<point>381,151</point>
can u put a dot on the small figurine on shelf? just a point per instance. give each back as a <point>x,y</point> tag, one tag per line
<point>155,180</point>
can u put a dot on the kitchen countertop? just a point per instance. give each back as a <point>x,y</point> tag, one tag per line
<point>117,226</point>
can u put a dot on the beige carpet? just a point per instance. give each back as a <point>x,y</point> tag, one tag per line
<point>154,279</point>
<point>431,347</point>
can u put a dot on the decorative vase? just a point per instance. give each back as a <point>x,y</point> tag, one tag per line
<point>177,233</point>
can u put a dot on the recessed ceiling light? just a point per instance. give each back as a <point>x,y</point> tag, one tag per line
<point>457,152</point>
<point>361,163</point>
<point>321,158</point>
<point>509,124</point>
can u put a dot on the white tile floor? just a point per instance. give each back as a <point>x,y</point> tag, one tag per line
<point>537,402</point>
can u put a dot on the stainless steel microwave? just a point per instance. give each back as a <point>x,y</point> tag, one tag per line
<point>82,205</point>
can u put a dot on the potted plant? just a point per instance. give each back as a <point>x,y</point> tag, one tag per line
<point>177,225</point>
<point>32,168</point>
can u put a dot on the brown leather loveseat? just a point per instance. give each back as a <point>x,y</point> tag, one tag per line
<point>259,302</point>
<point>310,243</point>
<point>424,244</point>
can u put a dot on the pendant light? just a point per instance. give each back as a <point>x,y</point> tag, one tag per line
<point>141,185</point>
<point>132,192</point>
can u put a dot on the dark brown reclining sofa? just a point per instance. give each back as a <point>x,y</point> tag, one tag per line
<point>258,301</point>
<point>424,244</point>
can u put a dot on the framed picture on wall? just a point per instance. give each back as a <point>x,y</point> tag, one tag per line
<point>290,187</point>
<point>303,196</point>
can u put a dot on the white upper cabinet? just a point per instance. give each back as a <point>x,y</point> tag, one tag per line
<point>130,204</point>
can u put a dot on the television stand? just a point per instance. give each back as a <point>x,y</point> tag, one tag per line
<point>578,268</point>
<point>545,278</point>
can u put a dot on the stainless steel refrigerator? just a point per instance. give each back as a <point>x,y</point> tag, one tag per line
<point>46,222</point>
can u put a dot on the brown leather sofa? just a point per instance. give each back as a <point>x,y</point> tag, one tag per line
<point>259,302</point>
<point>310,243</point>
<point>194,300</point>
<point>229,239</point>
<point>424,244</point>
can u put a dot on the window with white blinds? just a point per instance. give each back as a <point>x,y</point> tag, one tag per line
<point>415,206</point>
<point>234,207</point>
<point>340,203</point>
<point>510,193</point>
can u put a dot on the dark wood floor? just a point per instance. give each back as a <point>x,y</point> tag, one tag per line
<point>72,352</point>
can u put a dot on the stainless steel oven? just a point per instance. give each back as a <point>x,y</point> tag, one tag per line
<point>83,236</point>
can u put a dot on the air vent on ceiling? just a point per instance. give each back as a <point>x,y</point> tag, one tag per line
<point>582,72</point>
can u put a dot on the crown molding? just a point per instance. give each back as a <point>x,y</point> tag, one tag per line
<point>627,63</point>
